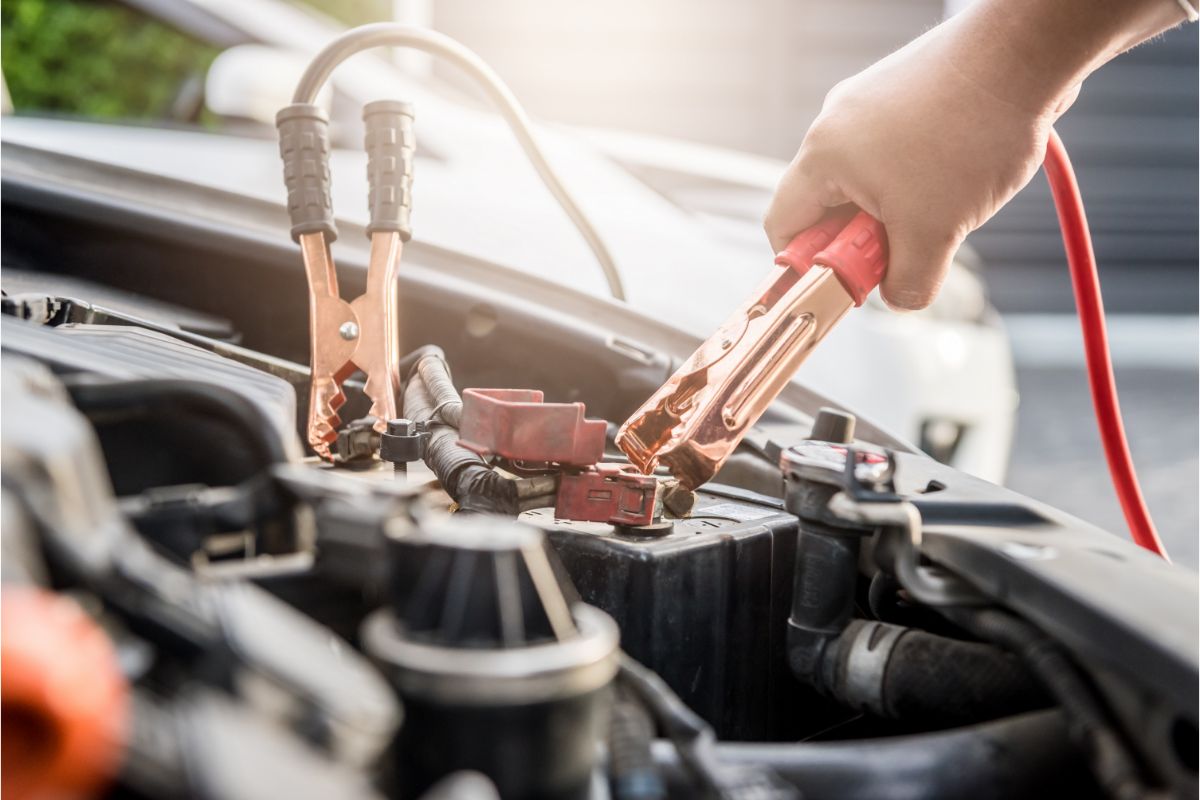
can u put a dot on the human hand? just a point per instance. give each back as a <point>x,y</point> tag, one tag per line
<point>923,145</point>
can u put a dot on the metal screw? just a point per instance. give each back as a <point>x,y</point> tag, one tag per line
<point>349,331</point>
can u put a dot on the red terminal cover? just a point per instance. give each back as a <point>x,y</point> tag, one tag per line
<point>516,424</point>
<point>853,245</point>
<point>612,493</point>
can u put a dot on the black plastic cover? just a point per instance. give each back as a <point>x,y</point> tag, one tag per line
<point>704,606</point>
<point>475,583</point>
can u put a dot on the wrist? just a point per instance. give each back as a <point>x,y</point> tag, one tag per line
<point>1034,53</point>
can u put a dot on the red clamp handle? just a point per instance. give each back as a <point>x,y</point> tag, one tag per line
<point>853,245</point>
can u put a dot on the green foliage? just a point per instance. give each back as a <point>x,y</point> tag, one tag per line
<point>97,59</point>
<point>354,12</point>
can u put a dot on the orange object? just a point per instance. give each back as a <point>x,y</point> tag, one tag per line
<point>63,699</point>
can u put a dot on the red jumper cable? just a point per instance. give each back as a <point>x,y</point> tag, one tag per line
<point>1085,280</point>
<point>693,423</point>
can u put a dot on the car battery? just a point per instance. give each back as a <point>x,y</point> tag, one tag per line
<point>703,603</point>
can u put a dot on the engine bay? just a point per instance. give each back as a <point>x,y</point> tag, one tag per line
<point>484,599</point>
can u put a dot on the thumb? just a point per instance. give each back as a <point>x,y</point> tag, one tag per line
<point>800,202</point>
<point>917,265</point>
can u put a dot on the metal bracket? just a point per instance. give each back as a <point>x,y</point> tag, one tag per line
<point>901,526</point>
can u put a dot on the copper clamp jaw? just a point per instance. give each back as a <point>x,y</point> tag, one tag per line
<point>362,334</point>
<point>696,419</point>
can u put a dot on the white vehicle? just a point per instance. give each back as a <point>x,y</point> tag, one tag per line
<point>681,220</point>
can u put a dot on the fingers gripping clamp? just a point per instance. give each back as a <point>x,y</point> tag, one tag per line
<point>695,420</point>
<point>362,334</point>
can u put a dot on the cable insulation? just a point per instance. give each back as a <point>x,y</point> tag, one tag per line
<point>391,34</point>
<point>1085,280</point>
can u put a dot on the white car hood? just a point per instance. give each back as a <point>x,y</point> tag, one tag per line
<point>489,204</point>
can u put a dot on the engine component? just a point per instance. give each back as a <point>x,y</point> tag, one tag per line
<point>64,697</point>
<point>1029,755</point>
<point>364,333</point>
<point>201,744</point>
<point>888,670</point>
<point>704,604</point>
<point>231,635</point>
<point>260,650</point>
<point>49,454</point>
<point>497,673</point>
<point>517,425</point>
<point>431,399</point>
<point>1114,764</point>
<point>403,441</point>
<point>632,773</point>
<point>694,741</point>
<point>357,442</point>
<point>612,493</point>
<point>826,570</point>
<point>693,423</point>
<point>908,674</point>
<point>120,353</point>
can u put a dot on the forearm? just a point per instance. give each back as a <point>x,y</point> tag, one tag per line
<point>934,139</point>
<point>1032,53</point>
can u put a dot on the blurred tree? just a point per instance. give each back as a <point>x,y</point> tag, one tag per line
<point>97,58</point>
<point>354,12</point>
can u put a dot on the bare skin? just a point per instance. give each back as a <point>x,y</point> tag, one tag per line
<point>934,139</point>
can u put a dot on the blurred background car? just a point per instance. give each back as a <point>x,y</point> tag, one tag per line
<point>670,123</point>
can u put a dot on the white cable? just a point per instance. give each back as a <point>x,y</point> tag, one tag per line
<point>1189,9</point>
<point>390,34</point>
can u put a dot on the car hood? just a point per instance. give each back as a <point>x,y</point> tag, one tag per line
<point>489,205</point>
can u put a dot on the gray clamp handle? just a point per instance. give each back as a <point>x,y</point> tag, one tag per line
<point>390,147</point>
<point>304,147</point>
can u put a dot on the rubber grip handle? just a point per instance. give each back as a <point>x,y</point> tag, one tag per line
<point>858,256</point>
<point>304,148</point>
<point>803,248</point>
<point>850,242</point>
<point>390,148</point>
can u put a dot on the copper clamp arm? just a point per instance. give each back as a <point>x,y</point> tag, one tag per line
<point>695,420</point>
<point>363,334</point>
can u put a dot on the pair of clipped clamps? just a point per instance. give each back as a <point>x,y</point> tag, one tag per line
<point>693,423</point>
<point>362,334</point>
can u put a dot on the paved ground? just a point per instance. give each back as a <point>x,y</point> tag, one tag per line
<point>1057,456</point>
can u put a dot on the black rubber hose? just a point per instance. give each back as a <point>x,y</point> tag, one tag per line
<point>632,772</point>
<point>1027,756</point>
<point>692,737</point>
<point>936,680</point>
<point>1114,767</point>
<point>466,477</point>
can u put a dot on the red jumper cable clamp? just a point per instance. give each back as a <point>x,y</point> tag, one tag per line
<point>693,423</point>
